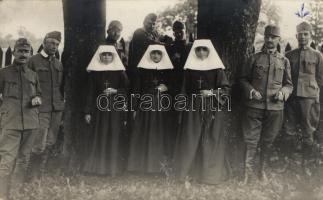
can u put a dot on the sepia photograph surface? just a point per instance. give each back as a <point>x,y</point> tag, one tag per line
<point>161,99</point>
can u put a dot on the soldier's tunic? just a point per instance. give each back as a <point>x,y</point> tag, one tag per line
<point>303,107</point>
<point>50,73</point>
<point>19,120</point>
<point>268,73</point>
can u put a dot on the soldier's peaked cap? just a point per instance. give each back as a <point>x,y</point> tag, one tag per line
<point>304,26</point>
<point>272,30</point>
<point>22,43</point>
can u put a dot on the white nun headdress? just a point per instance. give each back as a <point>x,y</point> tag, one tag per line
<point>97,65</point>
<point>213,61</point>
<point>147,63</point>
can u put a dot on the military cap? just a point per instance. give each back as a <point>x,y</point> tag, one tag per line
<point>177,25</point>
<point>115,24</point>
<point>22,43</point>
<point>55,35</point>
<point>304,26</point>
<point>272,30</point>
<point>151,16</point>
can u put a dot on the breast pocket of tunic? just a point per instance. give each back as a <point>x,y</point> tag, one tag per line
<point>279,73</point>
<point>32,88</point>
<point>309,67</point>
<point>259,71</point>
<point>59,76</point>
<point>11,89</point>
<point>43,74</point>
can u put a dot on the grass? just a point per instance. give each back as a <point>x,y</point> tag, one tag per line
<point>288,186</point>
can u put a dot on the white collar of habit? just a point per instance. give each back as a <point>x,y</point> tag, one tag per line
<point>147,63</point>
<point>97,65</point>
<point>213,61</point>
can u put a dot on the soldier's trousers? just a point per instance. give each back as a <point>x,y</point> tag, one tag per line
<point>260,127</point>
<point>304,112</point>
<point>15,149</point>
<point>48,132</point>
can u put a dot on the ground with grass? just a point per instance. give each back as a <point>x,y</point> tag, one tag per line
<point>286,186</point>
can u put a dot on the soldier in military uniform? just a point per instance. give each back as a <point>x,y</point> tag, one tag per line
<point>50,73</point>
<point>303,107</point>
<point>21,93</point>
<point>266,83</point>
<point>114,33</point>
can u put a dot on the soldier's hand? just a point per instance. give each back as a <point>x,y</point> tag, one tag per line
<point>256,95</point>
<point>279,96</point>
<point>162,88</point>
<point>36,101</point>
<point>88,118</point>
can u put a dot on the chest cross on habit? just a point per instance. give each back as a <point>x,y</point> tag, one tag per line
<point>155,81</point>
<point>107,84</point>
<point>200,81</point>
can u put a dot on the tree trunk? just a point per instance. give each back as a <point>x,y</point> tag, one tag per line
<point>231,24</point>
<point>84,23</point>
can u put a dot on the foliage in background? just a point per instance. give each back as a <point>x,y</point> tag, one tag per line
<point>270,13</point>
<point>185,11</point>
<point>9,40</point>
<point>316,20</point>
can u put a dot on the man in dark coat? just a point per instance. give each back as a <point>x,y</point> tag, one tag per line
<point>50,72</point>
<point>266,82</point>
<point>178,52</point>
<point>141,39</point>
<point>303,107</point>
<point>114,33</point>
<point>20,91</point>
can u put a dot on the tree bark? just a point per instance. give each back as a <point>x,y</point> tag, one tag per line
<point>84,24</point>
<point>231,25</point>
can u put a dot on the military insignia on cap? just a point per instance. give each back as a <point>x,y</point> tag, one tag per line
<point>22,43</point>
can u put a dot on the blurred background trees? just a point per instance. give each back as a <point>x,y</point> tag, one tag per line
<point>185,11</point>
<point>316,20</point>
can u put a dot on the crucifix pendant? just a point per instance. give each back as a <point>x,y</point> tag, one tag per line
<point>155,81</point>
<point>107,84</point>
<point>200,81</point>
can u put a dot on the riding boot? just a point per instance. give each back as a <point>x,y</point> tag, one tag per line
<point>34,167</point>
<point>4,187</point>
<point>249,172</point>
<point>263,166</point>
<point>306,160</point>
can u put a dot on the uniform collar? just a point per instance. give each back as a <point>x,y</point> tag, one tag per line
<point>109,41</point>
<point>44,54</point>
<point>270,51</point>
<point>304,48</point>
<point>17,66</point>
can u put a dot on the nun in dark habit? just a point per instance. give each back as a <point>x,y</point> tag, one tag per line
<point>105,111</point>
<point>147,147</point>
<point>200,147</point>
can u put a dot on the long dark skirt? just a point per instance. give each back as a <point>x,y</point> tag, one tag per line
<point>107,154</point>
<point>146,153</point>
<point>201,147</point>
